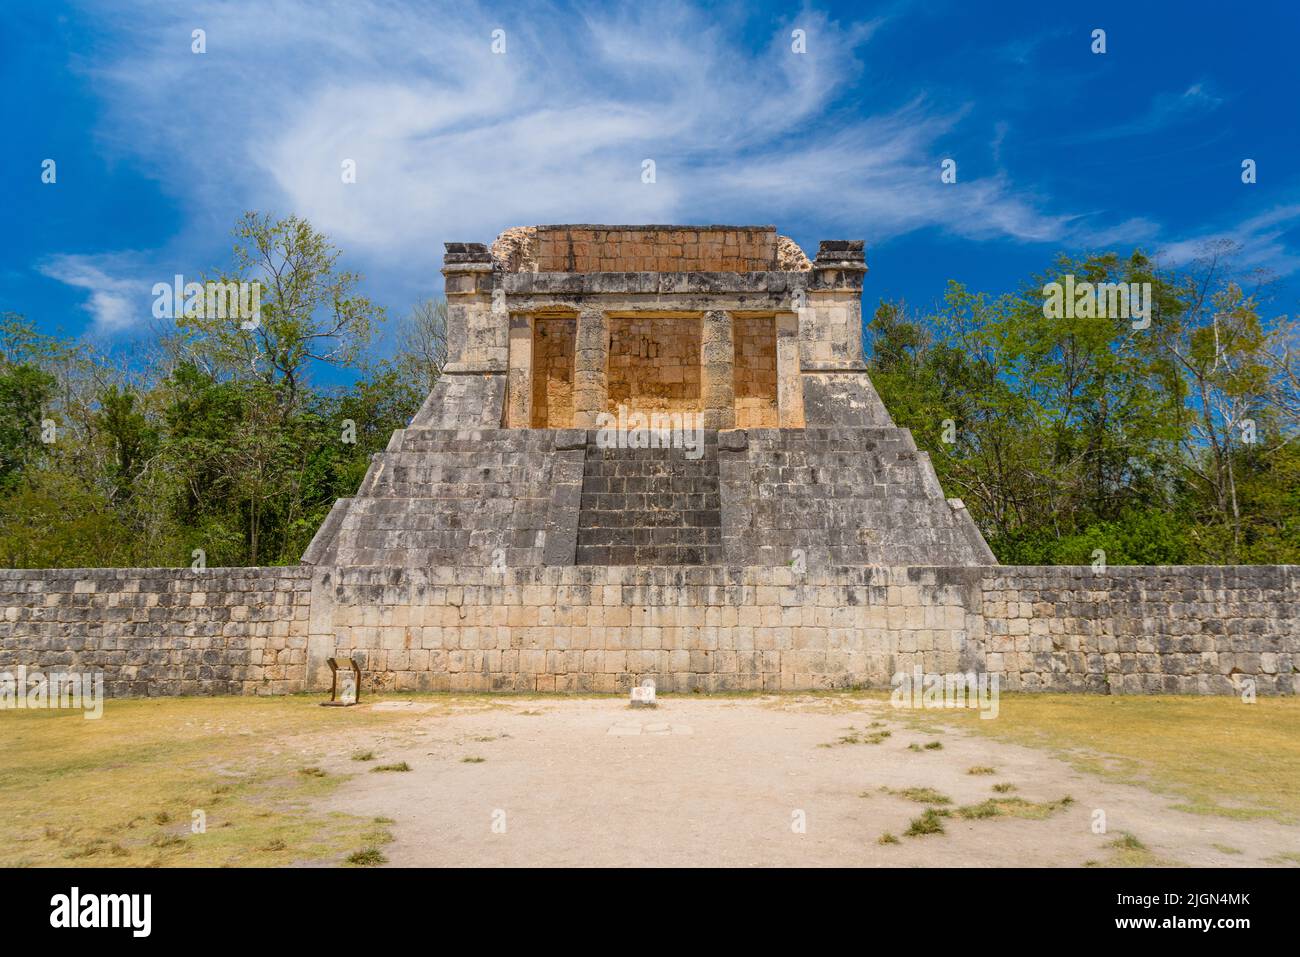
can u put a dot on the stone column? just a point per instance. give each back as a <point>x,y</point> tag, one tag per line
<point>718,370</point>
<point>590,362</point>
<point>830,323</point>
<point>789,382</point>
<point>519,385</point>
<point>476,331</point>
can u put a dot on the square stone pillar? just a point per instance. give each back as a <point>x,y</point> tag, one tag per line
<point>718,370</point>
<point>590,365</point>
<point>789,381</point>
<point>477,323</point>
<point>830,321</point>
<point>519,386</point>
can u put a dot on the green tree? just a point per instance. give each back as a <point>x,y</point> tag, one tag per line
<point>310,309</point>
<point>24,392</point>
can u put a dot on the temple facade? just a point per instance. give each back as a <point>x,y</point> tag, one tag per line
<point>651,395</point>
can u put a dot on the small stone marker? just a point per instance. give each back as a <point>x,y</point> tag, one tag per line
<point>347,689</point>
<point>643,695</point>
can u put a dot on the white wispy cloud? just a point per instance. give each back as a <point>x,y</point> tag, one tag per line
<point>1165,110</point>
<point>1258,236</point>
<point>116,304</point>
<point>453,141</point>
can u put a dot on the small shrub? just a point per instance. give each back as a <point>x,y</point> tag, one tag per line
<point>981,769</point>
<point>370,857</point>
<point>364,756</point>
<point>399,766</point>
<point>887,838</point>
<point>1127,842</point>
<point>930,822</point>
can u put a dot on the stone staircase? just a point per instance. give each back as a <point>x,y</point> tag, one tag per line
<point>653,506</point>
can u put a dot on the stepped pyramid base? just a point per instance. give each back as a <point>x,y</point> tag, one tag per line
<point>766,497</point>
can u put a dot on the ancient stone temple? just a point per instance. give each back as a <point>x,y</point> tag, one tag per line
<point>729,331</point>
<point>655,453</point>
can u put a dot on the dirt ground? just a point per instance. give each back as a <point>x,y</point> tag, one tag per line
<point>757,781</point>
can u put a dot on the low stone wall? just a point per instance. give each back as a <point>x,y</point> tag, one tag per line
<point>1127,630</point>
<point>1191,629</point>
<point>602,628</point>
<point>160,631</point>
<point>593,628</point>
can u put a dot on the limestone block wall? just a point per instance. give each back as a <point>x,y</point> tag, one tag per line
<point>755,372</point>
<point>602,628</point>
<point>553,345</point>
<point>161,631</point>
<point>838,497</point>
<point>1200,630</point>
<point>584,249</point>
<point>830,330</point>
<point>458,497</point>
<point>654,364</point>
<point>464,401</point>
<point>1203,630</point>
<point>1188,629</point>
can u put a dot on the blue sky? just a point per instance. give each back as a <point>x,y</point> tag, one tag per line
<point>159,149</point>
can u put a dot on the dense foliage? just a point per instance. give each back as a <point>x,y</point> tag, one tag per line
<point>1073,440</point>
<point>214,439</point>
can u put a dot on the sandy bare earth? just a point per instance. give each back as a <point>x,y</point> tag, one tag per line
<point>723,781</point>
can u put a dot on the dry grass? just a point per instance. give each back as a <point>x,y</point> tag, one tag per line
<point>123,790</point>
<point>1219,755</point>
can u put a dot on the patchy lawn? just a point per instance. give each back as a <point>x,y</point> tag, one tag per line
<point>1219,755</point>
<point>124,789</point>
<point>426,779</point>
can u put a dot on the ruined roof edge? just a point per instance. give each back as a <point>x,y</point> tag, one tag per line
<point>515,249</point>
